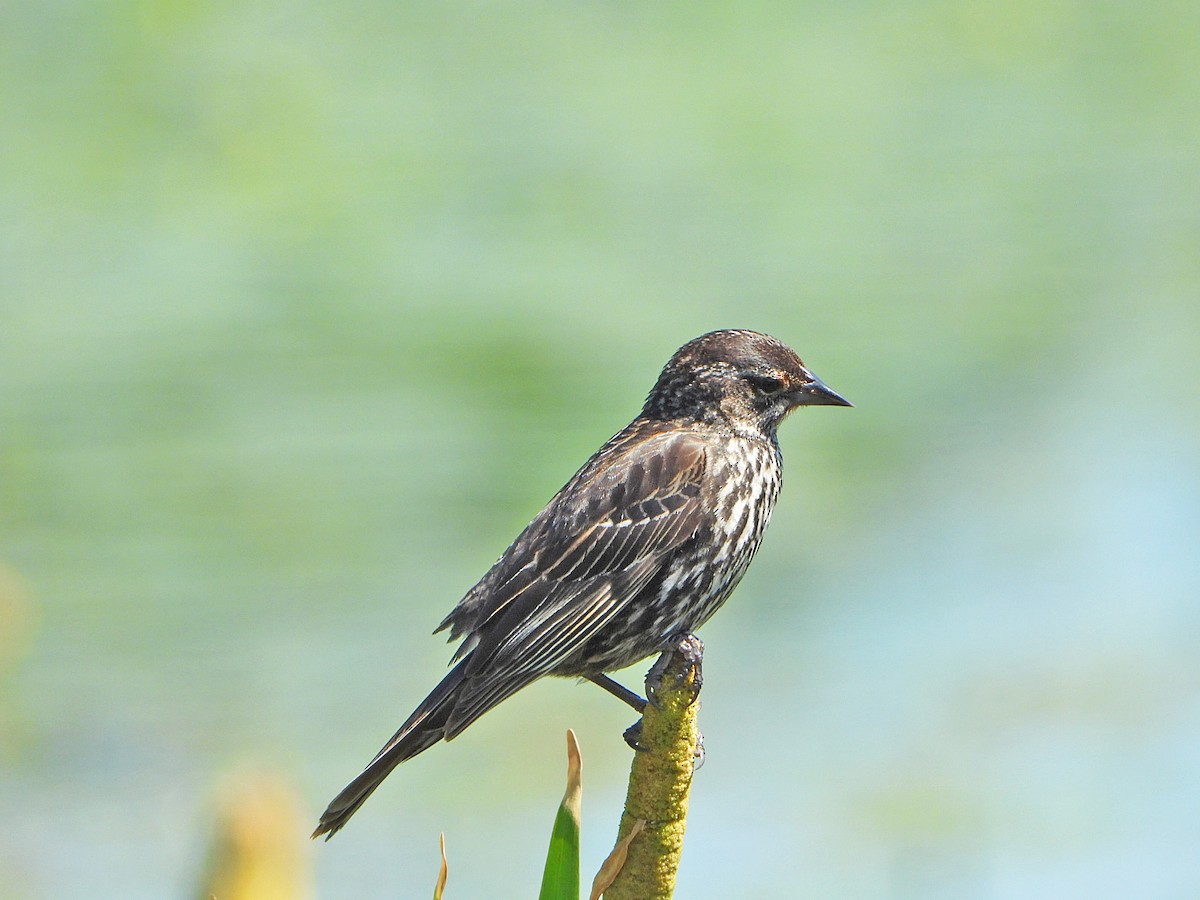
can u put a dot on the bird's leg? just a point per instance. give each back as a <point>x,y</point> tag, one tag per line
<point>618,690</point>
<point>684,643</point>
<point>633,733</point>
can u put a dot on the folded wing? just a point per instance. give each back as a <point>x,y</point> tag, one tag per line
<point>578,565</point>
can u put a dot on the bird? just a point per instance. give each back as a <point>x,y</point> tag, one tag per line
<point>645,542</point>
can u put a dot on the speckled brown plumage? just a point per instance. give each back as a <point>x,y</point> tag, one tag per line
<point>645,541</point>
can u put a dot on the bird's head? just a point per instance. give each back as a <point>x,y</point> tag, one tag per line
<point>742,379</point>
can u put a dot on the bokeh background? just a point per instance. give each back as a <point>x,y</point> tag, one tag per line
<point>305,309</point>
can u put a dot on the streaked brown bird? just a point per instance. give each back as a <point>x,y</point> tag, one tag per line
<point>645,542</point>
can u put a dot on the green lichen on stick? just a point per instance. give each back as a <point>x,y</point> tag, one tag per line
<point>660,779</point>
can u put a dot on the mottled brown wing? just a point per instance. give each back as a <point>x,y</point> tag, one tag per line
<point>601,540</point>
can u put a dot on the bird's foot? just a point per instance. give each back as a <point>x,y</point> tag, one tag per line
<point>691,648</point>
<point>633,737</point>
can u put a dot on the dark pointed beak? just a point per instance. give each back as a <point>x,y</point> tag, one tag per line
<point>817,393</point>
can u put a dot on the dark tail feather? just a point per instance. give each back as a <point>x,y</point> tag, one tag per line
<point>424,728</point>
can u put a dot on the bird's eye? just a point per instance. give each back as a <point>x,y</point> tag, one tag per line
<point>768,384</point>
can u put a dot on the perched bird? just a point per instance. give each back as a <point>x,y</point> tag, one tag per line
<point>646,541</point>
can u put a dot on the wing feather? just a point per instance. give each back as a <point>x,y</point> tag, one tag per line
<point>579,564</point>
<point>536,648</point>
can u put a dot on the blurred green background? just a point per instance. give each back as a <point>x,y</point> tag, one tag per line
<point>305,309</point>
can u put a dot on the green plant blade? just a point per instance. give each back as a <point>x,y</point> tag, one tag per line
<point>560,880</point>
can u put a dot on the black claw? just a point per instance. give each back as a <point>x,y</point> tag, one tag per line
<point>633,737</point>
<point>692,650</point>
<point>654,677</point>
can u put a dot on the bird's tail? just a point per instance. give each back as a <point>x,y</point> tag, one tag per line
<point>424,728</point>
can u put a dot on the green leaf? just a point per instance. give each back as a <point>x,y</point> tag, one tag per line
<point>560,881</point>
